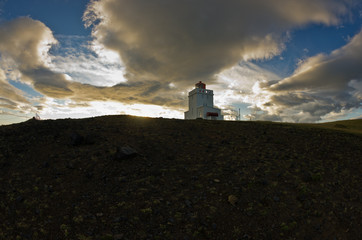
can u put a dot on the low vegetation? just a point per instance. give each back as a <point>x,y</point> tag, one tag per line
<point>123,177</point>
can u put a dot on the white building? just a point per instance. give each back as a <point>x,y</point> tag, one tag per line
<point>201,104</point>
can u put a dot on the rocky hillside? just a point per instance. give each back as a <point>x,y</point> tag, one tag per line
<point>123,177</point>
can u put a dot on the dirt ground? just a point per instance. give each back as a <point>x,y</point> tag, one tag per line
<point>123,177</point>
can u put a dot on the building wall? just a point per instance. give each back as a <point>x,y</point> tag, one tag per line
<point>201,97</point>
<point>201,101</point>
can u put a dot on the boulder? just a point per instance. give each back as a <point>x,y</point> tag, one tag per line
<point>125,152</point>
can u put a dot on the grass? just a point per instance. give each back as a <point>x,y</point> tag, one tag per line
<point>190,179</point>
<point>350,126</point>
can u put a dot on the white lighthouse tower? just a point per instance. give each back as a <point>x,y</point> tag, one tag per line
<point>201,104</point>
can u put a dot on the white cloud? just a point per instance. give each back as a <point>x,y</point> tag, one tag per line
<point>240,84</point>
<point>87,63</point>
<point>325,86</point>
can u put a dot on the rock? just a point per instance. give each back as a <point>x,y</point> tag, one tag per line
<point>19,199</point>
<point>249,213</point>
<point>4,164</point>
<point>276,198</point>
<point>91,139</point>
<point>301,197</point>
<point>76,139</point>
<point>156,173</point>
<point>264,182</point>
<point>25,236</point>
<point>49,188</point>
<point>246,236</point>
<point>318,228</point>
<point>170,157</point>
<point>120,219</point>
<point>118,236</point>
<point>45,164</point>
<point>69,165</point>
<point>89,175</point>
<point>307,177</point>
<point>124,153</point>
<point>188,203</point>
<point>232,199</point>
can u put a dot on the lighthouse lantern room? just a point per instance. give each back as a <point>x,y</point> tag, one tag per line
<point>201,104</point>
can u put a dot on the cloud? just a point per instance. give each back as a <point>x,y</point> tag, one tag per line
<point>233,87</point>
<point>164,47</point>
<point>25,45</point>
<point>9,95</point>
<point>27,42</point>
<point>187,41</point>
<point>86,63</point>
<point>332,72</point>
<point>322,86</point>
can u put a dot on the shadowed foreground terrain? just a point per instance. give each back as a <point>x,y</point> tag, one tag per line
<point>123,177</point>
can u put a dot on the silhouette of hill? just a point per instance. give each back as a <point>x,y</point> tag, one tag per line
<point>124,177</point>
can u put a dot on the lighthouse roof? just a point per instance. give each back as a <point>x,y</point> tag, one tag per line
<point>200,85</point>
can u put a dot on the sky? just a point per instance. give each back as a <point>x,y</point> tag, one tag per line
<point>280,60</point>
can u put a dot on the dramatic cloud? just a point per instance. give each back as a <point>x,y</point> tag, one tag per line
<point>185,41</point>
<point>13,104</point>
<point>10,97</point>
<point>86,64</point>
<point>26,42</point>
<point>328,72</point>
<point>152,52</point>
<point>322,85</point>
<point>233,87</point>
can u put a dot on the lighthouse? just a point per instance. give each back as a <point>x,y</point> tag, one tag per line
<point>201,104</point>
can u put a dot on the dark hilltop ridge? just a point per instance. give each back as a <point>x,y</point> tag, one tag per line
<point>123,177</point>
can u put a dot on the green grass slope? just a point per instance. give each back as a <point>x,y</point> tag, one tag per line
<point>195,179</point>
<point>351,126</point>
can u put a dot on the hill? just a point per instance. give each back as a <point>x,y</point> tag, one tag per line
<point>351,126</point>
<point>123,177</point>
